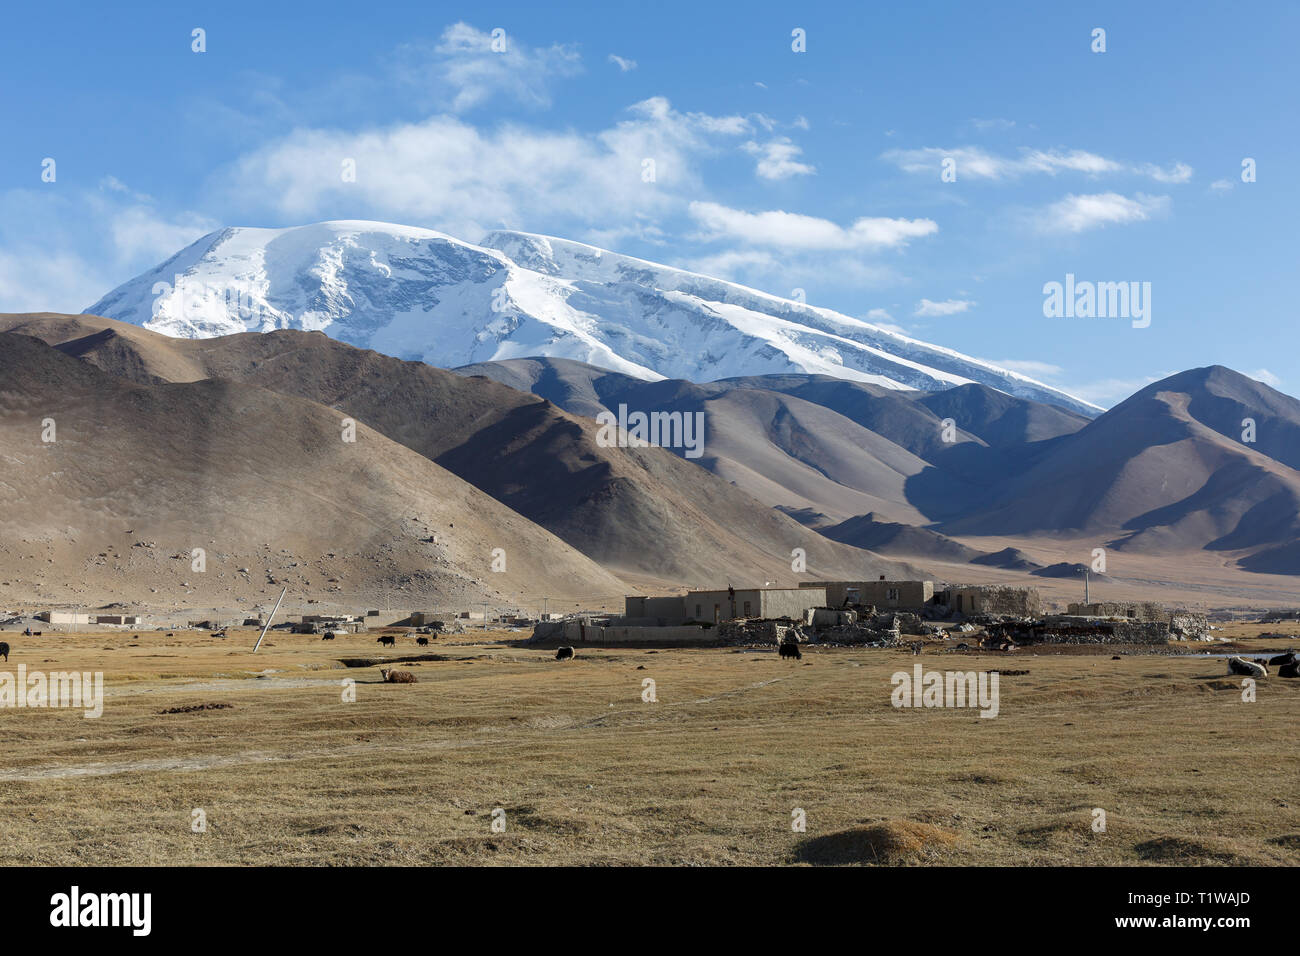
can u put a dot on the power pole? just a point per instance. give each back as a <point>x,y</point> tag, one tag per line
<point>267,626</point>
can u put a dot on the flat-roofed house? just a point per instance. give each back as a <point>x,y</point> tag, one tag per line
<point>899,595</point>
<point>660,611</point>
<point>732,603</point>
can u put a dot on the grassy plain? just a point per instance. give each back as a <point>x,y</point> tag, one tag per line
<point>589,773</point>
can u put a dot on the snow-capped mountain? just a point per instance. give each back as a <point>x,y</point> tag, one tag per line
<point>419,294</point>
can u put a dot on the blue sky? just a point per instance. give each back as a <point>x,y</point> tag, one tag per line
<point>816,170</point>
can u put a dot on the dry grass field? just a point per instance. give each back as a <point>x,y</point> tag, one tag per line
<point>588,773</point>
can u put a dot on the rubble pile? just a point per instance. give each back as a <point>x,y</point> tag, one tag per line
<point>745,631</point>
<point>1189,626</point>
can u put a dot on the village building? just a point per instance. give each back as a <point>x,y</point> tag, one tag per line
<point>64,617</point>
<point>126,620</point>
<point>320,623</point>
<point>732,603</point>
<point>992,599</point>
<point>887,595</point>
<point>655,611</point>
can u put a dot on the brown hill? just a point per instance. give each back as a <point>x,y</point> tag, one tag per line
<point>634,510</point>
<point>139,475</point>
<point>1166,471</point>
<point>893,538</point>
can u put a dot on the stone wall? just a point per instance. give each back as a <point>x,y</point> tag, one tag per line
<point>1067,629</point>
<point>579,633</point>
<point>1135,610</point>
<point>994,599</point>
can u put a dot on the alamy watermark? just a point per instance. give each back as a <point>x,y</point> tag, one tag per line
<point>56,689</point>
<point>924,688</point>
<point>75,908</point>
<point>1098,300</point>
<point>666,429</point>
<point>189,298</point>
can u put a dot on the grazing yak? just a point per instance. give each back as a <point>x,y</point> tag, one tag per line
<point>387,640</point>
<point>422,641</point>
<point>4,651</point>
<point>327,636</point>
<point>397,677</point>
<point>790,649</point>
<point>564,654</point>
<point>1239,665</point>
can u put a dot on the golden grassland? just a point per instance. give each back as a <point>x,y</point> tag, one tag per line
<point>588,773</point>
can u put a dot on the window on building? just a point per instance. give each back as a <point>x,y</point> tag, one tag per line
<point>746,609</point>
<point>698,611</point>
<point>891,594</point>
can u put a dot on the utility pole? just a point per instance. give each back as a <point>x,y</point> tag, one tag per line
<point>1086,575</point>
<point>267,626</point>
<point>485,615</point>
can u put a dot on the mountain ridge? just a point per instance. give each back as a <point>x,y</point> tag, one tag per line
<point>421,294</point>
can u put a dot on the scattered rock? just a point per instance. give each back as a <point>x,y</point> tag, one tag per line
<point>195,708</point>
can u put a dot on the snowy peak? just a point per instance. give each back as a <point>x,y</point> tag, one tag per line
<point>419,294</point>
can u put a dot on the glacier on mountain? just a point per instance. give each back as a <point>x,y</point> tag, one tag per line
<point>422,295</point>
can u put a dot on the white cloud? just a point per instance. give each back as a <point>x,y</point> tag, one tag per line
<point>1030,367</point>
<point>786,230</point>
<point>882,319</point>
<point>975,163</point>
<point>623,63</point>
<point>140,234</point>
<point>1080,213</point>
<point>734,264</point>
<point>997,124</point>
<point>1178,173</point>
<point>463,70</point>
<point>42,280</point>
<point>778,159</point>
<point>1265,376</point>
<point>73,245</point>
<point>455,176</point>
<point>781,271</point>
<point>1108,392</point>
<point>1221,185</point>
<point>947,307</point>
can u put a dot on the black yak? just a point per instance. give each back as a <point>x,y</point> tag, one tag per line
<point>422,641</point>
<point>790,649</point>
<point>327,636</point>
<point>564,654</point>
<point>387,640</point>
<point>4,651</point>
